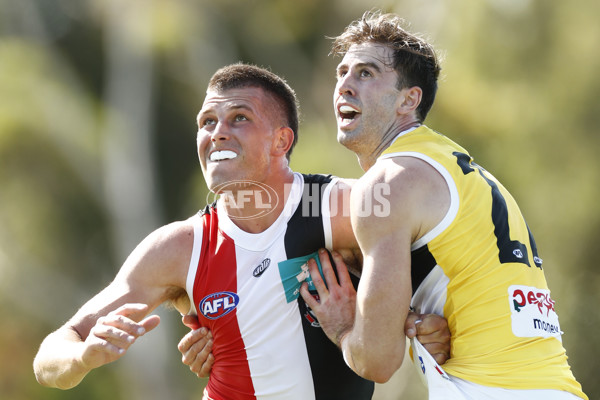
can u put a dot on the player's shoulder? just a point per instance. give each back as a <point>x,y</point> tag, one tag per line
<point>400,173</point>
<point>161,260</point>
<point>397,185</point>
<point>412,193</point>
<point>173,241</point>
<point>176,229</point>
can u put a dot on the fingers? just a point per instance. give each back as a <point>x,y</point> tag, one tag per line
<point>133,311</point>
<point>116,331</point>
<point>317,279</point>
<point>150,323</point>
<point>196,348</point>
<point>192,337</point>
<point>108,339</point>
<point>342,270</point>
<point>113,334</point>
<point>410,328</point>
<point>439,351</point>
<point>432,324</point>
<point>126,317</point>
<point>309,299</point>
<point>331,280</point>
<point>336,304</point>
<point>433,329</point>
<point>440,358</point>
<point>191,321</point>
<point>315,275</point>
<point>206,367</point>
<point>434,335</point>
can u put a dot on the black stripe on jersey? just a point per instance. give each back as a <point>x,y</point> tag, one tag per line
<point>208,209</point>
<point>332,378</point>
<point>422,262</point>
<point>305,233</point>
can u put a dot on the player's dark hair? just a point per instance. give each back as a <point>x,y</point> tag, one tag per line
<point>414,60</point>
<point>240,75</point>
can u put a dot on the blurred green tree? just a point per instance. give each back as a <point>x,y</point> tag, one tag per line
<point>97,147</point>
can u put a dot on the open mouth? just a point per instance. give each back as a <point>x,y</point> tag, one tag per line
<point>221,155</point>
<point>347,113</point>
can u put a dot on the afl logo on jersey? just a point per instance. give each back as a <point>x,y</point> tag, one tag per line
<point>216,305</point>
<point>258,271</point>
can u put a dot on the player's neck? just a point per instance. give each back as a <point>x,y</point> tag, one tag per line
<point>255,207</point>
<point>367,159</point>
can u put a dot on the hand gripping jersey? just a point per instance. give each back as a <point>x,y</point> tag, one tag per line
<point>479,268</point>
<point>267,346</point>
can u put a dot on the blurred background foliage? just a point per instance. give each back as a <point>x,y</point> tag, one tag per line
<point>97,148</point>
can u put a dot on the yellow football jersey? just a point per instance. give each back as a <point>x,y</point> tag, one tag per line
<point>479,268</point>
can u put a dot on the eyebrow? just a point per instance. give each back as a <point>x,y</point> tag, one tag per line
<point>241,107</point>
<point>372,65</point>
<point>235,107</point>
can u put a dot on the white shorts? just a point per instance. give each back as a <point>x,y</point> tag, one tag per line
<point>442,386</point>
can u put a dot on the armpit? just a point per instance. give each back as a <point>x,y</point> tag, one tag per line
<point>178,299</point>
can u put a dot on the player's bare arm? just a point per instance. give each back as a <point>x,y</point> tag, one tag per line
<point>383,296</point>
<point>108,324</point>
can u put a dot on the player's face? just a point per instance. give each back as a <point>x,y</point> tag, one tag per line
<point>235,136</point>
<point>366,98</point>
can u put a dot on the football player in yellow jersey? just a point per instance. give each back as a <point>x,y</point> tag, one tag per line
<point>449,239</point>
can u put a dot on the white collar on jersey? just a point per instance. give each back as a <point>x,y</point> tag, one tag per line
<point>261,241</point>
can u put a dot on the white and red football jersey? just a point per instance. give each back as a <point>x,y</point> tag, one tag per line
<point>267,346</point>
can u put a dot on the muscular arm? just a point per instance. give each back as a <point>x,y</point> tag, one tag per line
<point>393,205</point>
<point>104,328</point>
<point>418,201</point>
<point>375,344</point>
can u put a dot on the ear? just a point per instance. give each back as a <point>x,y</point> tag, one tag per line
<point>410,100</point>
<point>284,138</point>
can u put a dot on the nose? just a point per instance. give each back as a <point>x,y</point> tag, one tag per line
<point>211,134</point>
<point>220,132</point>
<point>345,85</point>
